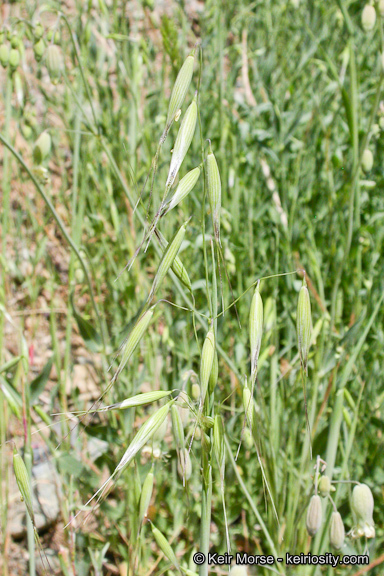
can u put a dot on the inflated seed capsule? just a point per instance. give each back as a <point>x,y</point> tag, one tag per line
<point>38,30</point>
<point>184,464</point>
<point>146,495</point>
<point>54,63</point>
<point>15,40</point>
<point>195,391</point>
<point>324,486</point>
<point>362,504</point>
<point>164,546</point>
<point>368,18</point>
<point>304,325</point>
<point>314,515</point>
<point>367,160</point>
<point>4,55</point>
<point>14,58</point>
<point>42,147</point>
<point>336,531</point>
<point>38,49</point>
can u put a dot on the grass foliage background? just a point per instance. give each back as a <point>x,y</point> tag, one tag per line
<point>295,89</point>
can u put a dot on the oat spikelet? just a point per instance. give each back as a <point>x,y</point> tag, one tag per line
<point>304,325</point>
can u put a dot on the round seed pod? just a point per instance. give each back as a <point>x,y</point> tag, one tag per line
<point>362,504</point>
<point>14,59</point>
<point>4,55</point>
<point>336,531</point>
<point>15,40</point>
<point>247,438</point>
<point>368,18</point>
<point>38,31</point>
<point>38,49</point>
<point>195,391</point>
<point>325,487</point>
<point>54,63</point>
<point>42,147</point>
<point>314,515</point>
<point>56,39</point>
<point>184,464</point>
<point>248,404</point>
<point>367,160</point>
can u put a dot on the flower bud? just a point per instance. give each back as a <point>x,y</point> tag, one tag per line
<point>38,31</point>
<point>336,531</point>
<point>38,49</point>
<point>195,391</point>
<point>314,515</point>
<point>14,58</point>
<point>42,147</point>
<point>367,160</point>
<point>15,40</point>
<point>4,55</point>
<point>325,487</point>
<point>184,464</point>
<point>368,18</point>
<point>54,63</point>
<point>247,438</point>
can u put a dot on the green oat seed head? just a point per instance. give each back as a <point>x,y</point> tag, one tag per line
<point>23,483</point>
<point>304,325</point>
<point>206,363</point>
<point>177,266</point>
<point>168,259</point>
<point>255,329</point>
<point>314,515</point>
<point>186,184</point>
<point>183,142</point>
<point>248,404</point>
<point>179,91</point>
<point>165,547</point>
<point>214,374</point>
<point>362,506</point>
<point>133,340</point>
<point>177,428</point>
<point>146,495</point>
<point>214,191</point>
<point>144,434</point>
<point>138,400</point>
